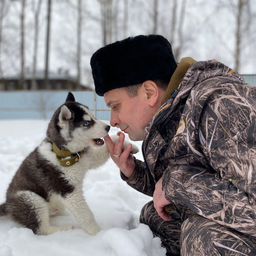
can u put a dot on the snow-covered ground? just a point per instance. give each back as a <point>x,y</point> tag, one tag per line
<point>115,205</point>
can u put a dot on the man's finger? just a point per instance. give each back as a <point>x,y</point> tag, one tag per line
<point>109,143</point>
<point>121,137</point>
<point>118,148</point>
<point>126,153</point>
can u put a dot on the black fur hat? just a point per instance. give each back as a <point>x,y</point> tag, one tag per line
<point>132,61</point>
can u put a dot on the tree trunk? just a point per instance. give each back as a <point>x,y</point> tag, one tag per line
<point>22,45</point>
<point>155,16</point>
<point>239,35</point>
<point>173,21</point>
<point>106,12</point>
<point>180,36</point>
<point>79,38</point>
<point>47,51</point>
<point>35,50</point>
<point>2,13</point>
<point>125,20</point>
<point>115,18</point>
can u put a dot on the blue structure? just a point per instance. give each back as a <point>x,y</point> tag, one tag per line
<point>250,79</point>
<point>42,104</point>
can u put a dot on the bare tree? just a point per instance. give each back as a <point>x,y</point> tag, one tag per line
<point>79,40</point>
<point>173,20</point>
<point>107,20</point>
<point>115,23</point>
<point>22,44</point>
<point>37,8</point>
<point>180,34</point>
<point>178,14</point>
<point>155,16</point>
<point>4,5</point>
<point>125,19</point>
<point>241,12</point>
<point>47,50</point>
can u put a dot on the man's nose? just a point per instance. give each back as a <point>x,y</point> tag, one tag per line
<point>114,120</point>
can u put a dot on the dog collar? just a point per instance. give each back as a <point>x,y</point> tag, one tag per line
<point>65,157</point>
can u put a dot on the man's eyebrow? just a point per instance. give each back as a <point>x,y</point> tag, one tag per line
<point>111,102</point>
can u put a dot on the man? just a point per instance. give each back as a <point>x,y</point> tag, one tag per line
<point>197,121</point>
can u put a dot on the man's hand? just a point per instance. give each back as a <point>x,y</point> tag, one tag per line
<point>122,156</point>
<point>160,201</point>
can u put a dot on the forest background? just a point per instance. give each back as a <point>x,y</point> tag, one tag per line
<point>60,36</point>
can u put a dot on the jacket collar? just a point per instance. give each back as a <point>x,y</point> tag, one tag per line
<point>157,142</point>
<point>174,85</point>
<point>172,89</point>
<point>178,76</point>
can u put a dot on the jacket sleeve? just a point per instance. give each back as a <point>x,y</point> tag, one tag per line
<point>141,179</point>
<point>224,189</point>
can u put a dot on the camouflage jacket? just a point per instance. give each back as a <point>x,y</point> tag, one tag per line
<point>203,144</point>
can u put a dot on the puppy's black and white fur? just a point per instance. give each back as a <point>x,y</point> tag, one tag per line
<point>43,187</point>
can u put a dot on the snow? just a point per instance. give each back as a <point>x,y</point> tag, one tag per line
<point>116,207</point>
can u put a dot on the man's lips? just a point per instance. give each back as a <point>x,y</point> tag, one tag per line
<point>124,129</point>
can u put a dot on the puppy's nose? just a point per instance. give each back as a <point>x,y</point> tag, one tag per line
<point>107,128</point>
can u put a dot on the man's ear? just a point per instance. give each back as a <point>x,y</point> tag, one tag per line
<point>151,92</point>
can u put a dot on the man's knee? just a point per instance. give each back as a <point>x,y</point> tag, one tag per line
<point>200,236</point>
<point>168,231</point>
<point>195,237</point>
<point>147,212</point>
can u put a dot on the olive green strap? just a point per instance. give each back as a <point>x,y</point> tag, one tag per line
<point>65,157</point>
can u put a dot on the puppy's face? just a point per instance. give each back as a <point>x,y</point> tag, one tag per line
<point>80,129</point>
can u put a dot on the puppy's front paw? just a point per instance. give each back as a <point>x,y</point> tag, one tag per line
<point>92,229</point>
<point>53,229</point>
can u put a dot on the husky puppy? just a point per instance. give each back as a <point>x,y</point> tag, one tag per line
<point>50,179</point>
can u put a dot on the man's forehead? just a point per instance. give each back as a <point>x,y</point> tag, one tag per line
<point>114,95</point>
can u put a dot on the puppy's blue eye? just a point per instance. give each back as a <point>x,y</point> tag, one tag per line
<point>86,123</point>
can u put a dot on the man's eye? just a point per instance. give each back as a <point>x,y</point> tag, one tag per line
<point>114,107</point>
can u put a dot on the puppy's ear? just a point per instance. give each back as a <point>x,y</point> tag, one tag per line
<point>70,97</point>
<point>64,115</point>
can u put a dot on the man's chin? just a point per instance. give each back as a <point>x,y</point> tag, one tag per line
<point>134,137</point>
